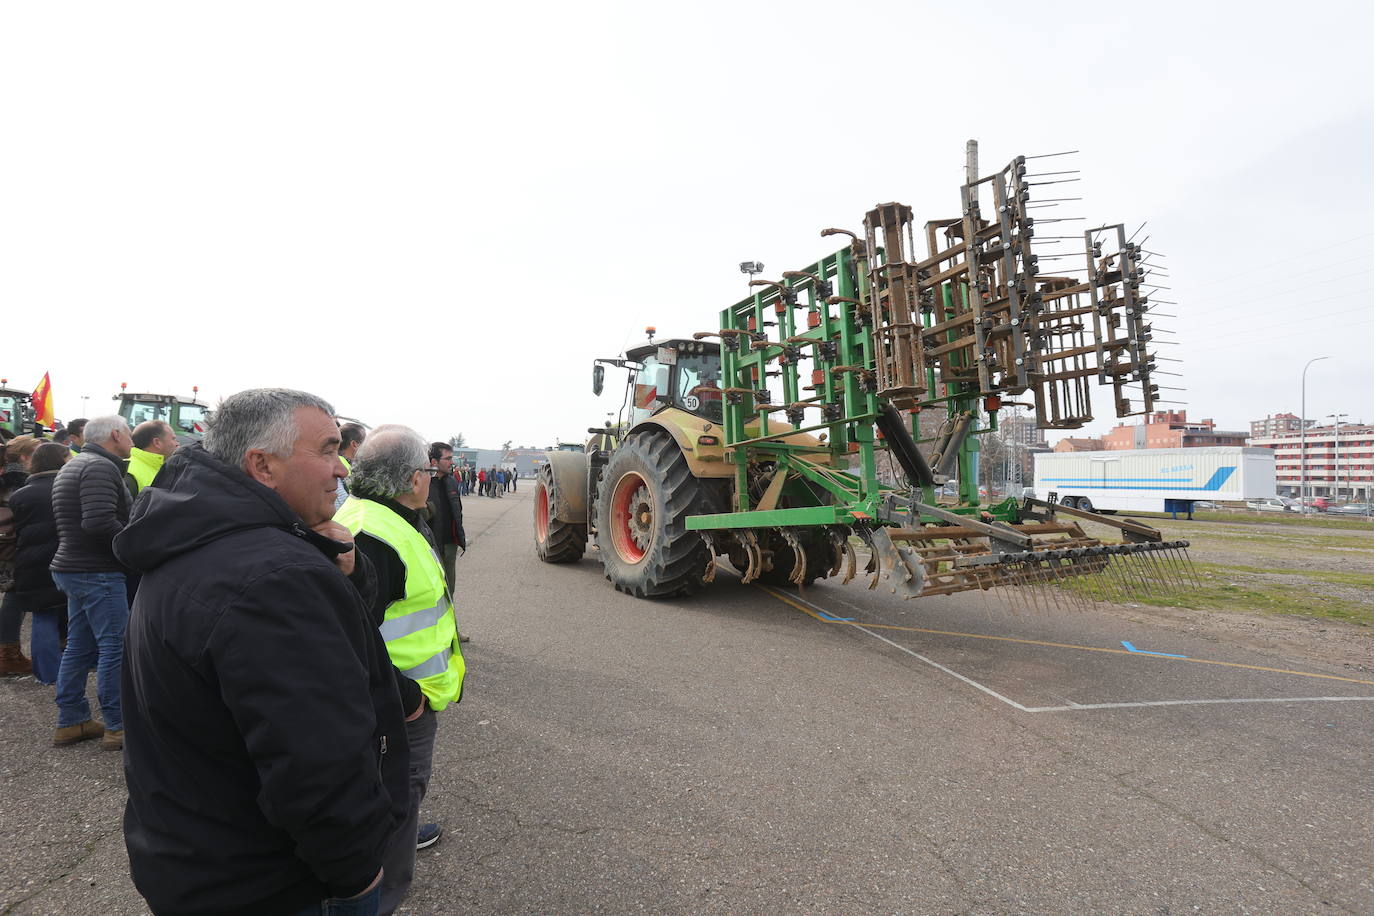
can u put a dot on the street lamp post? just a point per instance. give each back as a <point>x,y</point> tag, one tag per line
<point>1302,433</point>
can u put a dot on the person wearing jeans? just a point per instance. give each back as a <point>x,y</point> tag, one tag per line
<point>91,505</point>
<point>97,612</point>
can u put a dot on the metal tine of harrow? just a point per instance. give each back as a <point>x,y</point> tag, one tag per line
<point>1025,599</point>
<point>1083,582</point>
<point>1192,570</point>
<point>1066,593</point>
<point>1119,591</point>
<point>1168,559</point>
<point>1186,571</point>
<point>1156,573</point>
<point>1097,578</point>
<point>1171,560</point>
<point>1137,567</point>
<point>1065,597</point>
<point>1131,571</point>
<point>1042,599</point>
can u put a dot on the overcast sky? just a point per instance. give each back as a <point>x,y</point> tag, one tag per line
<point>439,213</point>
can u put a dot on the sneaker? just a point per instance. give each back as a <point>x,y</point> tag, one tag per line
<point>113,740</point>
<point>81,731</point>
<point>429,835</point>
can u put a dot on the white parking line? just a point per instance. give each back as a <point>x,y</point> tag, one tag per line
<point>1074,707</point>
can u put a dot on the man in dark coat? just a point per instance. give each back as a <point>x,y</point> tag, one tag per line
<point>36,530</point>
<point>266,756</point>
<point>91,505</point>
<point>446,509</point>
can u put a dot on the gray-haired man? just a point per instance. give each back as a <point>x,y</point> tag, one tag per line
<point>266,758</point>
<point>91,505</point>
<point>413,611</point>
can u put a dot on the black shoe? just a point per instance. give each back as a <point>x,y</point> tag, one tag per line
<point>429,835</point>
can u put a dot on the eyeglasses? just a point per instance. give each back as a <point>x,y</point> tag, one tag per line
<point>432,472</point>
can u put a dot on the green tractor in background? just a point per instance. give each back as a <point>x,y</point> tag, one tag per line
<point>16,412</point>
<point>188,417</point>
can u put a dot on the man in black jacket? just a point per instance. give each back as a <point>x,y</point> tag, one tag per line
<point>266,758</point>
<point>91,505</point>
<point>36,542</point>
<point>446,509</point>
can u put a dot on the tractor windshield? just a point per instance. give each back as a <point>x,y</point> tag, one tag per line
<point>697,386</point>
<point>191,419</point>
<point>142,411</point>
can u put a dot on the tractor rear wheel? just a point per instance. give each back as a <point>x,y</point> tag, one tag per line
<point>554,541</point>
<point>643,501</point>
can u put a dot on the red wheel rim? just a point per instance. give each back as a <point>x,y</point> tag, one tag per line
<point>632,517</point>
<point>541,512</point>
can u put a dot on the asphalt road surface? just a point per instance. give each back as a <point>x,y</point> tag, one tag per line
<point>838,751</point>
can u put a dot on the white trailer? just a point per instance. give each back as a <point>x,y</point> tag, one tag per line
<point>1154,479</point>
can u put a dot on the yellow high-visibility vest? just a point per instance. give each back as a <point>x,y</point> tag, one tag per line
<point>420,634</point>
<point>143,466</point>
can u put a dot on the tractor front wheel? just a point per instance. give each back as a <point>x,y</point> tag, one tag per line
<point>554,541</point>
<point>645,496</point>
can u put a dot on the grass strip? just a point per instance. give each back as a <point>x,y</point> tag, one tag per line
<point>1220,591</point>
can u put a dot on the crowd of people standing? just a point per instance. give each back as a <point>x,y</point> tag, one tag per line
<point>492,481</point>
<point>270,617</point>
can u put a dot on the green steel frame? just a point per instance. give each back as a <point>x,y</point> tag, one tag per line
<point>833,299</point>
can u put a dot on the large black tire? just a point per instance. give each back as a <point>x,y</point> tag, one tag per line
<point>554,541</point>
<point>644,498</point>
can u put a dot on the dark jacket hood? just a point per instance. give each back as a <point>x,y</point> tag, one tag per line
<point>197,500</point>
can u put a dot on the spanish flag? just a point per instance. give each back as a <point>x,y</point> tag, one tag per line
<point>42,402</point>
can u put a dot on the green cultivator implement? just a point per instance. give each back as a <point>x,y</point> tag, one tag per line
<point>762,440</point>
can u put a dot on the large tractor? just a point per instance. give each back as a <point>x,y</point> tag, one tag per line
<point>633,487</point>
<point>758,441</point>
<point>188,417</point>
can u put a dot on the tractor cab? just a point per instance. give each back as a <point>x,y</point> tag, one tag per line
<point>16,412</point>
<point>188,418</point>
<point>675,373</point>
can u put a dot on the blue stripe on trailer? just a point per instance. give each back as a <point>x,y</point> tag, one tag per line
<point>1214,482</point>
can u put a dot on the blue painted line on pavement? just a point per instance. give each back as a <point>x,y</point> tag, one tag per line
<point>828,616</point>
<point>1130,648</point>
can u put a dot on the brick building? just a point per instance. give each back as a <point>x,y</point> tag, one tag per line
<point>1169,429</point>
<point>1280,424</point>
<point>1022,431</point>
<point>1078,445</point>
<point>1340,463</point>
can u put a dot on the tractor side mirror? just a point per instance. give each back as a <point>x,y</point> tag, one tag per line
<point>598,378</point>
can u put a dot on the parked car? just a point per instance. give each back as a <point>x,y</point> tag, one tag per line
<point>1273,504</point>
<point>1204,504</point>
<point>1353,509</point>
